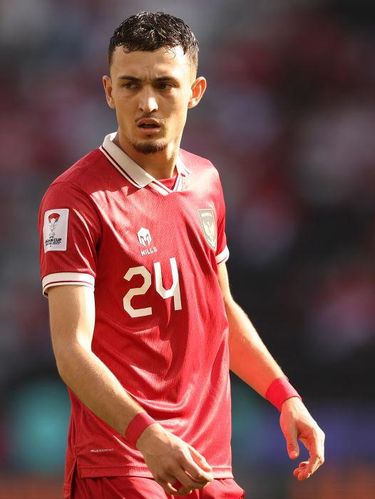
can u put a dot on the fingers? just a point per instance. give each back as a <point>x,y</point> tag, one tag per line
<point>167,486</point>
<point>199,459</point>
<point>290,434</point>
<point>319,445</point>
<point>185,484</point>
<point>179,483</point>
<point>192,475</point>
<point>312,464</point>
<point>172,460</point>
<point>293,449</point>
<point>297,424</point>
<point>188,481</point>
<point>197,467</point>
<point>315,446</point>
<point>306,469</point>
<point>174,487</point>
<point>185,475</point>
<point>300,472</point>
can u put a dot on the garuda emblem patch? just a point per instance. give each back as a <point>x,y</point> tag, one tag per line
<point>207,220</point>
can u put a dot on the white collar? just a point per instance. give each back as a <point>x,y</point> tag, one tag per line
<point>135,173</point>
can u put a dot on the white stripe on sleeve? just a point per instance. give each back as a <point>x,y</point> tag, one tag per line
<point>67,278</point>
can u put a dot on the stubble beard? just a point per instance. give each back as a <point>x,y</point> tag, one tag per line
<point>149,147</point>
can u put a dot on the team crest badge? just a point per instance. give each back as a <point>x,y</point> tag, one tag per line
<point>208,224</point>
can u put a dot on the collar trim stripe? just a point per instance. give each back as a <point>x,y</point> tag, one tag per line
<point>160,188</point>
<point>167,189</point>
<point>178,184</point>
<point>134,173</point>
<point>117,166</point>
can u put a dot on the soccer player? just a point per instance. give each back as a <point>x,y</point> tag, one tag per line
<point>144,328</point>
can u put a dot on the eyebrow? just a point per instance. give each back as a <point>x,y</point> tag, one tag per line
<point>126,77</point>
<point>136,80</point>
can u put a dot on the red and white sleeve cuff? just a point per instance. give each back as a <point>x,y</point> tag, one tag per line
<point>66,279</point>
<point>222,256</point>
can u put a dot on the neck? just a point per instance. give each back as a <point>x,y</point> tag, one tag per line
<point>159,165</point>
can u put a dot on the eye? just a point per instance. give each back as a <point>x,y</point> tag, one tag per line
<point>130,85</point>
<point>164,85</point>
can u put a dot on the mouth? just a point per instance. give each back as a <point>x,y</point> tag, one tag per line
<point>149,124</point>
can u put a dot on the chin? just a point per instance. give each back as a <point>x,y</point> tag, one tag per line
<point>150,147</point>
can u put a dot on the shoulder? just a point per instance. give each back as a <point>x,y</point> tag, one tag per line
<point>74,188</point>
<point>83,172</point>
<point>196,163</point>
<point>83,179</point>
<point>204,177</point>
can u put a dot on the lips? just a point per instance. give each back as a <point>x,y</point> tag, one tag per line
<point>148,123</point>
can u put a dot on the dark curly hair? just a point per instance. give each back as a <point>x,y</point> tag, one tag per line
<point>150,31</point>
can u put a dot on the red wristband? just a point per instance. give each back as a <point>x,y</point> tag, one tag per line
<point>279,391</point>
<point>137,426</point>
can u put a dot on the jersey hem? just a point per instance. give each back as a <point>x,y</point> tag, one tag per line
<point>103,471</point>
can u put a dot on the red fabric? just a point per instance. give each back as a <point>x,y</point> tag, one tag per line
<point>279,391</point>
<point>137,426</point>
<point>169,182</point>
<point>146,488</point>
<point>173,358</point>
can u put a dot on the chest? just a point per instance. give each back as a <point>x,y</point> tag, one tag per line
<point>145,227</point>
<point>155,251</point>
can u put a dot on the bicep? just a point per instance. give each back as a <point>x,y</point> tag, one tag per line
<point>72,317</point>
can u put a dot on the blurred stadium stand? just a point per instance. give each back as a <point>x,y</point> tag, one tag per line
<point>289,120</point>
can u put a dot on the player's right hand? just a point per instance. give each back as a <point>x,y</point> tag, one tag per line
<point>175,465</point>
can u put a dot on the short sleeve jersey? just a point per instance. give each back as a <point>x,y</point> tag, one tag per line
<point>151,254</point>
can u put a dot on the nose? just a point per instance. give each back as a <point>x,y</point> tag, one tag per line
<point>147,101</point>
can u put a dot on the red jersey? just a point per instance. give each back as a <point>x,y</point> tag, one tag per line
<point>151,254</point>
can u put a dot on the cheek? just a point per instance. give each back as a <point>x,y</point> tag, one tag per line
<point>177,117</point>
<point>179,107</point>
<point>122,99</point>
<point>124,106</point>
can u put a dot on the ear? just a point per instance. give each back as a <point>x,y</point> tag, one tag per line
<point>197,90</point>
<point>107,84</point>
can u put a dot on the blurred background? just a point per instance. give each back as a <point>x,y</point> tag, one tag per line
<point>289,120</point>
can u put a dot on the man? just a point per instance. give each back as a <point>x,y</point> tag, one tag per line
<point>146,356</point>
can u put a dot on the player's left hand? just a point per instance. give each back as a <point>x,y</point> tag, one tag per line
<point>297,424</point>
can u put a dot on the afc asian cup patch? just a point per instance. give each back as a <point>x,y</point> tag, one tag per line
<point>55,229</point>
<point>207,220</point>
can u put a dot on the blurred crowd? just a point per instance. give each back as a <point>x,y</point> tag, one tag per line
<point>288,120</point>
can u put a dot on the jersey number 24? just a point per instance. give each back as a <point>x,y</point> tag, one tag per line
<point>173,291</point>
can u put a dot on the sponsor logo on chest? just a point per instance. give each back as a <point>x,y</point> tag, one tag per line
<point>145,240</point>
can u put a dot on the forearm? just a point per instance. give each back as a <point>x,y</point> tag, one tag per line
<point>97,387</point>
<point>72,322</point>
<point>250,360</point>
<point>253,363</point>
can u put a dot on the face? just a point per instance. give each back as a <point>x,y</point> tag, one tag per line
<point>151,93</point>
